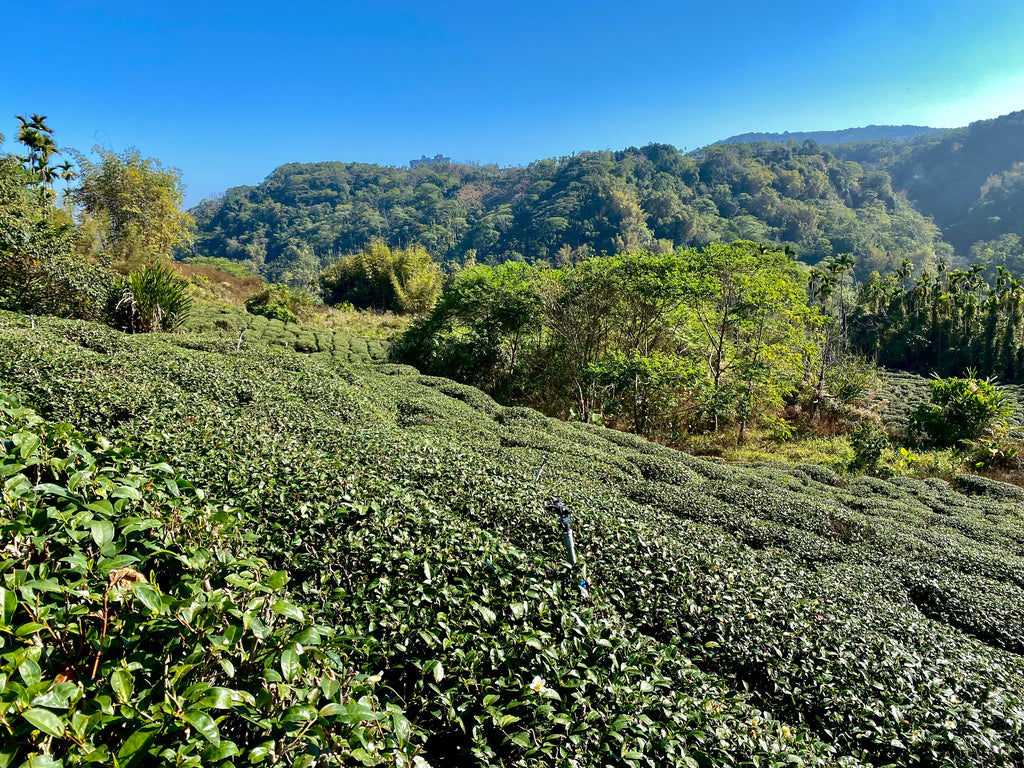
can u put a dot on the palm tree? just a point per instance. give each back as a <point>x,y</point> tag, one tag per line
<point>906,269</point>
<point>37,137</point>
<point>842,264</point>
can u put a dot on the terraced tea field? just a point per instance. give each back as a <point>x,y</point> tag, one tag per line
<point>732,615</point>
<point>220,328</point>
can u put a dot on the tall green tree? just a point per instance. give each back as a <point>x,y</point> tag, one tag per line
<point>751,316</point>
<point>138,203</point>
<point>40,272</point>
<point>37,137</point>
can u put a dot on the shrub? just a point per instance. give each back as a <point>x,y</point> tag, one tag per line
<point>851,379</point>
<point>960,410</point>
<point>995,451</point>
<point>869,441</point>
<point>154,299</point>
<point>280,302</point>
<point>779,430</point>
<point>406,281</point>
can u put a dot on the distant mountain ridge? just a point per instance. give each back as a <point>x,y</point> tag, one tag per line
<point>305,215</point>
<point>955,194</point>
<point>867,133</point>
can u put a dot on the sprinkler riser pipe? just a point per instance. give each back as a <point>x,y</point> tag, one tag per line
<point>570,547</point>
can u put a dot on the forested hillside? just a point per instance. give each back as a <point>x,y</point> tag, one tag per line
<point>819,199</point>
<point>843,136</point>
<point>305,216</point>
<point>969,180</point>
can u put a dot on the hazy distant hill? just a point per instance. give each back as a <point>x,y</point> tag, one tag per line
<point>969,180</point>
<point>867,133</point>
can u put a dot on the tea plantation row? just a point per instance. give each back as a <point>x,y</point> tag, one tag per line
<point>734,615</point>
<point>220,328</point>
<point>133,633</point>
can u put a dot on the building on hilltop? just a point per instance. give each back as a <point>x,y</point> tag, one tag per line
<point>429,161</point>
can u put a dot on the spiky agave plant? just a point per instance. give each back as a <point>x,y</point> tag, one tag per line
<point>155,300</point>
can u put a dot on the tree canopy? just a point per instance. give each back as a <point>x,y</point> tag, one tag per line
<point>656,343</point>
<point>654,198</point>
<point>138,203</point>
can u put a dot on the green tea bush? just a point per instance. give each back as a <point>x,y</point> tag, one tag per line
<point>133,631</point>
<point>973,485</point>
<point>733,615</point>
<point>259,331</point>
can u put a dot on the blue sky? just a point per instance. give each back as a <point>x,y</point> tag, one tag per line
<point>227,91</point>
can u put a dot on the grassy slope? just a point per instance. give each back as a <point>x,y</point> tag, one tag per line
<point>736,614</point>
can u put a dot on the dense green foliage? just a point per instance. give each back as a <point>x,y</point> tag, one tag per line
<point>735,615</point>
<point>960,410</point>
<point>654,343</point>
<point>40,272</point>
<point>279,302</point>
<point>820,200</point>
<point>137,203</point>
<point>945,322</point>
<point>55,260</point>
<point>899,394</point>
<point>656,197</point>
<point>134,630</point>
<point>400,280</point>
<point>969,180</point>
<point>720,615</point>
<point>154,299</point>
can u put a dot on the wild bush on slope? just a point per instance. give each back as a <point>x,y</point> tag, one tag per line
<point>777,583</point>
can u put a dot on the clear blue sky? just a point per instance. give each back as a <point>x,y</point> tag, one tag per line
<point>227,91</point>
